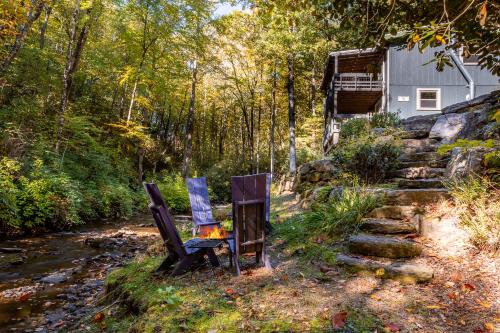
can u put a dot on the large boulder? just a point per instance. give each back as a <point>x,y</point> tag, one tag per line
<point>420,123</point>
<point>465,162</point>
<point>467,120</point>
<point>316,172</point>
<point>486,100</point>
<point>448,127</point>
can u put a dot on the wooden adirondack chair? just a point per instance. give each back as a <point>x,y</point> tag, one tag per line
<point>250,207</point>
<point>200,204</point>
<point>185,256</point>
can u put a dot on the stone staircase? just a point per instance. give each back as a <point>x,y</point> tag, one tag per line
<point>388,242</point>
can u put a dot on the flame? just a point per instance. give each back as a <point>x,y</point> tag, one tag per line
<point>213,232</point>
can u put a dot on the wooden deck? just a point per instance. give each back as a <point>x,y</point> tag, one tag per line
<point>357,82</point>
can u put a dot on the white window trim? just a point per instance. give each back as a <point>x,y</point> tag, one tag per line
<point>438,99</point>
<point>461,55</point>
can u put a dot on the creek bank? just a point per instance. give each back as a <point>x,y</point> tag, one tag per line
<point>59,280</point>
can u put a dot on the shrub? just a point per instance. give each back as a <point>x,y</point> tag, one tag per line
<point>48,199</point>
<point>354,128</point>
<point>371,161</point>
<point>9,191</point>
<point>174,190</point>
<point>343,212</point>
<point>116,200</point>
<point>478,207</point>
<point>385,120</point>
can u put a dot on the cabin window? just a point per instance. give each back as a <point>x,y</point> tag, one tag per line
<point>428,99</point>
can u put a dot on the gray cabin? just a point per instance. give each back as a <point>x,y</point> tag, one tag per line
<point>360,82</point>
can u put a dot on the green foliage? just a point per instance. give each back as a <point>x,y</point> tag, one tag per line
<point>372,161</point>
<point>478,206</point>
<point>465,144</point>
<point>116,200</point>
<point>9,192</point>
<point>174,190</point>
<point>219,179</point>
<point>492,163</point>
<point>48,199</point>
<point>385,120</point>
<point>343,212</point>
<point>354,128</point>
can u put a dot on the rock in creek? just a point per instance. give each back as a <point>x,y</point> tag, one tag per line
<point>55,278</point>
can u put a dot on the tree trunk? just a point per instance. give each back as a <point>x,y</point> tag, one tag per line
<point>273,122</point>
<point>132,100</point>
<point>140,165</point>
<point>313,89</point>
<point>43,28</point>
<point>73,55</point>
<point>291,113</point>
<point>33,15</point>
<point>189,126</point>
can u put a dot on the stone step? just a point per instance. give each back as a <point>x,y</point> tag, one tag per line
<point>408,197</point>
<point>420,156</point>
<point>387,226</point>
<point>420,183</point>
<point>441,163</point>
<point>393,212</point>
<point>419,172</point>
<point>419,143</point>
<point>414,134</point>
<point>404,272</point>
<point>383,246</point>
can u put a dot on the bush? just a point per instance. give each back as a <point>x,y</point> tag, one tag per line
<point>116,200</point>
<point>354,128</point>
<point>478,207</point>
<point>342,213</point>
<point>9,191</point>
<point>371,161</point>
<point>385,120</point>
<point>174,190</point>
<point>48,199</point>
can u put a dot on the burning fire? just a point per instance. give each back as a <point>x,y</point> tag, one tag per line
<point>213,232</point>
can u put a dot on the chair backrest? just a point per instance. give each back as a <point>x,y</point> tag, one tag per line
<point>250,219</point>
<point>200,203</point>
<point>164,220</point>
<point>268,194</point>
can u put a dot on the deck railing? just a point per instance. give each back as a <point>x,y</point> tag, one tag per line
<point>357,82</point>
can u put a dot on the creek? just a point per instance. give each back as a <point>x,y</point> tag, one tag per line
<point>54,281</point>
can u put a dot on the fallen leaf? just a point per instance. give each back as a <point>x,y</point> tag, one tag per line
<point>99,317</point>
<point>490,327</point>
<point>433,307</point>
<point>484,304</point>
<point>338,320</point>
<point>469,287</point>
<point>230,291</point>
<point>477,330</point>
<point>449,284</point>
<point>393,327</point>
<point>452,295</point>
<point>375,297</point>
<point>24,297</point>
<point>380,272</point>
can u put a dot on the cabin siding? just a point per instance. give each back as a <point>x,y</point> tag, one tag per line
<point>407,72</point>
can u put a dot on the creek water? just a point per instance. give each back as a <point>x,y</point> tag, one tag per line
<point>28,299</point>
